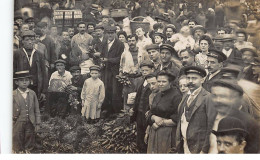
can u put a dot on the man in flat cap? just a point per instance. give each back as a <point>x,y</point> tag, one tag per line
<point>227,98</point>
<point>167,53</point>
<point>231,136</point>
<point>111,52</point>
<point>214,65</point>
<point>193,128</point>
<point>169,30</point>
<point>141,104</point>
<point>50,46</point>
<point>197,32</point>
<point>99,39</point>
<point>82,40</point>
<point>248,56</point>
<point>30,22</point>
<point>228,47</point>
<point>28,58</point>
<point>153,51</point>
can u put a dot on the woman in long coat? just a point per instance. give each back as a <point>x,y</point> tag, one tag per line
<point>163,115</point>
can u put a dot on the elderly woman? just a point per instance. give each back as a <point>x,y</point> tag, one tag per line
<point>205,43</point>
<point>163,115</point>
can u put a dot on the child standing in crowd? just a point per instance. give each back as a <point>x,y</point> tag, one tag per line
<point>92,95</point>
<point>26,113</point>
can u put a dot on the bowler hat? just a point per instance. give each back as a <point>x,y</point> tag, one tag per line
<point>99,27</point>
<point>94,67</point>
<point>228,37</point>
<point>195,69</point>
<point>217,54</point>
<point>159,34</point>
<point>22,74</point>
<point>172,27</point>
<point>197,27</point>
<point>110,29</point>
<point>230,125</point>
<point>231,84</point>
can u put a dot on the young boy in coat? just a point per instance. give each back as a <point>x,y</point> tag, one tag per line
<point>26,113</point>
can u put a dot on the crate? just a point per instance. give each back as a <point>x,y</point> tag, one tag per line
<point>68,18</point>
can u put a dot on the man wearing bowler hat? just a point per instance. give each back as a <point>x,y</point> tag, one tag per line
<point>214,65</point>
<point>194,126</point>
<point>111,52</point>
<point>227,99</point>
<point>231,136</point>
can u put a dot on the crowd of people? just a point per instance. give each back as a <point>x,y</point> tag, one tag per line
<point>188,73</point>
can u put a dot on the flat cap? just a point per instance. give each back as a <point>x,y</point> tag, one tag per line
<point>217,54</point>
<point>231,84</point>
<point>251,49</point>
<point>228,37</point>
<point>230,125</point>
<point>159,34</point>
<point>41,24</point>
<point>18,17</point>
<point>99,27</point>
<point>60,61</point>
<point>218,38</point>
<point>29,19</point>
<point>28,33</point>
<point>169,47</point>
<point>172,27</point>
<point>22,74</point>
<point>74,68</point>
<point>148,63</point>
<point>197,27</point>
<point>94,67</point>
<point>110,29</point>
<point>161,17</point>
<point>229,72</point>
<point>152,46</point>
<point>195,69</point>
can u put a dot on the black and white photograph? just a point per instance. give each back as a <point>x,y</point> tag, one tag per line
<point>135,77</point>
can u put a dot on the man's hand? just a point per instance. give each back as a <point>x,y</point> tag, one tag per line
<point>156,119</point>
<point>72,88</point>
<point>37,127</point>
<point>160,123</point>
<point>155,126</point>
<point>42,97</point>
<point>146,138</point>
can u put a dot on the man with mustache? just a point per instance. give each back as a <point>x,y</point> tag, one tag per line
<point>231,136</point>
<point>227,98</point>
<point>194,126</point>
<point>169,30</point>
<point>214,65</point>
<point>187,57</point>
<point>248,57</point>
<point>82,40</point>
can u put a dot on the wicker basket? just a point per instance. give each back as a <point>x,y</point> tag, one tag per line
<point>135,24</point>
<point>114,13</point>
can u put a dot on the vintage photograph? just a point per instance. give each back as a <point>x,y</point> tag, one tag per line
<point>136,76</point>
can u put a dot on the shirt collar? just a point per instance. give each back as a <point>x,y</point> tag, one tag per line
<point>196,92</point>
<point>26,91</point>
<point>213,74</point>
<point>133,50</point>
<point>110,42</point>
<point>43,37</point>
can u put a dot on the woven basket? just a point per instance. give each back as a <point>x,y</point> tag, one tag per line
<point>135,24</point>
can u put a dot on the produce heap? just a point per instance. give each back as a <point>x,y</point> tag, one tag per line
<point>74,135</point>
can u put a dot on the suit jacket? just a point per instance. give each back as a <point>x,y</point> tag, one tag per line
<point>200,124</point>
<point>144,100</point>
<point>113,56</point>
<point>34,111</point>
<point>50,46</point>
<point>207,83</point>
<point>37,70</point>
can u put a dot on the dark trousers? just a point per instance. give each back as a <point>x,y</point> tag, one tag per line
<point>23,136</point>
<point>140,129</point>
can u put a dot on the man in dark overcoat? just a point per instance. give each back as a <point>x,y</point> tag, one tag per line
<point>111,52</point>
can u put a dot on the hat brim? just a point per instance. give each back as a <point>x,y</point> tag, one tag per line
<point>233,130</point>
<point>16,78</point>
